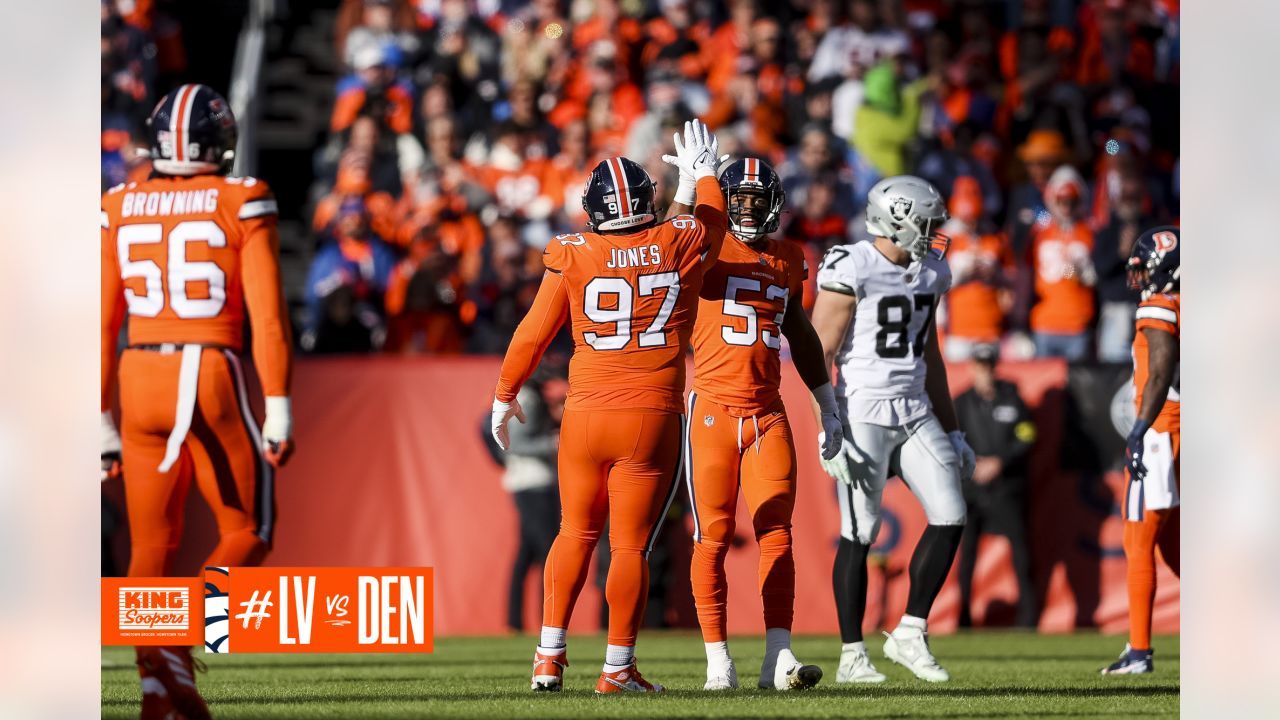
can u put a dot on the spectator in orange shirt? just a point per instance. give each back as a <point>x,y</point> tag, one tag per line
<point>527,188</point>
<point>1043,151</point>
<point>1113,51</point>
<point>373,90</point>
<point>981,275</point>
<point>720,52</point>
<point>675,35</point>
<point>353,184</point>
<point>574,165</point>
<point>1061,258</point>
<point>424,300</point>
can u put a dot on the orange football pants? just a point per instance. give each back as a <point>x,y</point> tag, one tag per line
<point>221,452</point>
<point>618,466</point>
<point>756,454</point>
<point>1157,530</point>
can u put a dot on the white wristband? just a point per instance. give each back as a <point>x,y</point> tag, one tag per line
<point>110,438</point>
<point>279,421</point>
<point>826,399</point>
<point>686,191</point>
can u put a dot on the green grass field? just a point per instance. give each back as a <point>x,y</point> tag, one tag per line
<point>995,674</point>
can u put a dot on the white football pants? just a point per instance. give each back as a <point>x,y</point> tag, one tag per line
<point>920,453</point>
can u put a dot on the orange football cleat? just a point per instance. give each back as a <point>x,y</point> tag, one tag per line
<point>174,668</point>
<point>548,671</point>
<point>628,679</point>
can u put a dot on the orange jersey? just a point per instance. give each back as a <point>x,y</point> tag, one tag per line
<point>980,265</point>
<point>1060,257</point>
<point>183,256</point>
<point>738,335</point>
<point>631,301</point>
<point>1164,313</point>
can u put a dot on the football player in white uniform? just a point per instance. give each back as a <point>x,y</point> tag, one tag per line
<point>875,315</point>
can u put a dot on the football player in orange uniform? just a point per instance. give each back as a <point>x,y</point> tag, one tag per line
<point>738,436</point>
<point>183,254</point>
<point>1151,497</point>
<point>629,288</point>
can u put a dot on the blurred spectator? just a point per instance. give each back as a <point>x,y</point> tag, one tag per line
<point>507,286</point>
<point>952,158</point>
<point>128,67</point>
<point>1061,258</point>
<point>465,53</point>
<point>1114,48</point>
<point>374,90</point>
<point>538,137</point>
<point>1113,242</point>
<point>124,155</point>
<point>374,23</point>
<point>981,275</point>
<point>523,186</point>
<point>816,227</point>
<point>889,119</point>
<point>816,158</point>
<point>345,285</point>
<point>574,165</point>
<point>424,299</point>
<point>720,52</point>
<point>353,184</point>
<point>861,40</point>
<point>999,427</point>
<point>530,477</point>
<point>1043,151</point>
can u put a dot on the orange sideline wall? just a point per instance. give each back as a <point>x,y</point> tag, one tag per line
<point>391,470</point>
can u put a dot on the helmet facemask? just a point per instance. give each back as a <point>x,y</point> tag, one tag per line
<point>754,212</point>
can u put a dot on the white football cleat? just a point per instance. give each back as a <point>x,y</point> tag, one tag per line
<point>909,647</point>
<point>721,676</point>
<point>789,673</point>
<point>856,667</point>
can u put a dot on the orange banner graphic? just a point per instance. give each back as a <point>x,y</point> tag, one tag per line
<point>318,609</point>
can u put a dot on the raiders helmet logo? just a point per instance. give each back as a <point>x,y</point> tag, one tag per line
<point>900,208</point>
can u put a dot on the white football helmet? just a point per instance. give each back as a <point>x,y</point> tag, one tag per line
<point>907,210</point>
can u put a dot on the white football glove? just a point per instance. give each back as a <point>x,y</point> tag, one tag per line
<point>502,413</point>
<point>967,459</point>
<point>838,466</point>
<point>277,430</point>
<point>696,156</point>
<point>110,448</point>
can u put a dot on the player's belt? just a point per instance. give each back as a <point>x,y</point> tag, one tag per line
<point>169,348</point>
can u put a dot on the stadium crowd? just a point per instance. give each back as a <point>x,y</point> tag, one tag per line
<point>462,135</point>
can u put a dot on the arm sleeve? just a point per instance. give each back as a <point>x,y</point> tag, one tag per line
<point>533,335</point>
<point>113,309</point>
<point>272,336</point>
<point>838,272</point>
<point>710,212</point>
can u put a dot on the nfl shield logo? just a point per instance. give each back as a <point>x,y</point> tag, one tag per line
<point>900,208</point>
<point>708,421</point>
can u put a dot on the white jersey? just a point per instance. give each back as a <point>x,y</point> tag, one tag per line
<point>882,354</point>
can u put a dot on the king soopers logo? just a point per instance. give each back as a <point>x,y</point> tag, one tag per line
<point>149,608</point>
